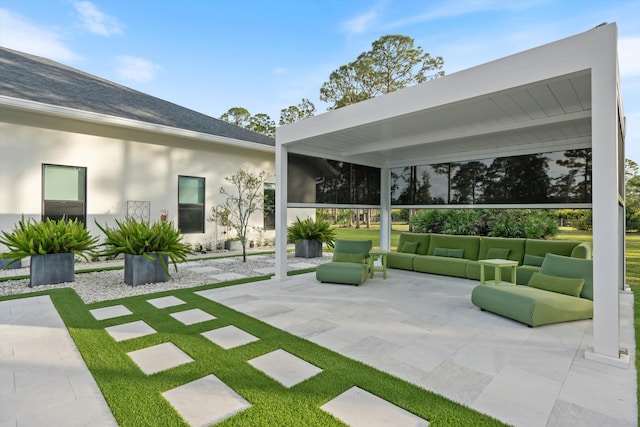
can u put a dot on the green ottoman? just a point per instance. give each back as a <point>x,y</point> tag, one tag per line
<point>349,273</point>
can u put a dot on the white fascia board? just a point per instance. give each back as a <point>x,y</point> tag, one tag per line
<point>104,119</point>
<point>566,56</point>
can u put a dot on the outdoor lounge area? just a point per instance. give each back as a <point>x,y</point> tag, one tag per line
<point>424,329</point>
<point>421,328</point>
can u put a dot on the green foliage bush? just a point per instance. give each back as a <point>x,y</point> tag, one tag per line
<point>140,238</point>
<point>30,238</point>
<point>524,223</point>
<point>309,229</point>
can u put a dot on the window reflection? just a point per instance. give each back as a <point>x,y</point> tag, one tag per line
<point>554,177</point>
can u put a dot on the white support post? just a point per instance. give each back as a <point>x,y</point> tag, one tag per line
<point>281,212</point>
<point>607,277</point>
<point>385,209</point>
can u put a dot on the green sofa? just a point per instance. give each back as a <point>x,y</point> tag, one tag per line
<point>561,291</point>
<point>426,254</point>
<point>548,275</point>
<point>350,263</point>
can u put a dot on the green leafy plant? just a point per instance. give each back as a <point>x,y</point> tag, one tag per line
<point>140,238</point>
<point>30,238</point>
<point>309,229</point>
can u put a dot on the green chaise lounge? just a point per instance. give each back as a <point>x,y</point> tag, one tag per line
<point>561,291</point>
<point>350,264</point>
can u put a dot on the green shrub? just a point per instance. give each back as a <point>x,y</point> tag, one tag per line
<point>140,238</point>
<point>30,238</point>
<point>523,223</point>
<point>312,230</point>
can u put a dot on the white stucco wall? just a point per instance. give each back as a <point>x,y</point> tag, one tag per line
<point>118,169</point>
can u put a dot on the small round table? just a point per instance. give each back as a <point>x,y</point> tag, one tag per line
<point>374,254</point>
<point>498,264</point>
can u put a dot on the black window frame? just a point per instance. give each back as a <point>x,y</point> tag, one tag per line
<point>188,212</point>
<point>69,209</point>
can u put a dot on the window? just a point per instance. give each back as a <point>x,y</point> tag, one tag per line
<point>64,192</point>
<point>269,206</point>
<point>552,177</point>
<point>190,204</point>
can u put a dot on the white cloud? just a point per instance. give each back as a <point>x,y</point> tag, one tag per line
<point>20,34</point>
<point>628,48</point>
<point>363,22</point>
<point>95,21</point>
<point>448,9</point>
<point>280,71</point>
<point>136,69</point>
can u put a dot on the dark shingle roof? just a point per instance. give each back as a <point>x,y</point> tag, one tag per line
<point>38,79</point>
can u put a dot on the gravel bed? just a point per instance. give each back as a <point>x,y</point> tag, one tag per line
<point>109,285</point>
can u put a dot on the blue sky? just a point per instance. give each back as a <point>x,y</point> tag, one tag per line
<point>265,55</point>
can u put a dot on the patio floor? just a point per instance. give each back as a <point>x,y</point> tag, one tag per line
<point>424,329</point>
<point>419,327</point>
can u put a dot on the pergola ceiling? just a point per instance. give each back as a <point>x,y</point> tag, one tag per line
<point>547,115</point>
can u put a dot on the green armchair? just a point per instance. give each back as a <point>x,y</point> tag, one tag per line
<point>350,264</point>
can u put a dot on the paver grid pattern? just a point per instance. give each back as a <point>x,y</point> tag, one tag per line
<point>193,400</point>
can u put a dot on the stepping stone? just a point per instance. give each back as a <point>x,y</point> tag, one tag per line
<point>229,337</point>
<point>359,408</point>
<point>159,358</point>
<point>190,317</point>
<point>165,302</point>
<point>228,276</point>
<point>204,270</point>
<point>265,270</point>
<point>131,330</point>
<point>110,312</point>
<point>205,401</point>
<point>284,367</point>
<point>302,265</point>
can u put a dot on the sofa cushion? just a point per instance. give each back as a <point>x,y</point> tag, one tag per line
<point>342,272</point>
<point>400,260</point>
<point>441,252</point>
<point>561,285</point>
<point>533,260</point>
<point>497,253</point>
<point>447,266</point>
<point>515,247</point>
<point>346,257</point>
<point>353,247</point>
<point>469,244</point>
<point>541,247</point>
<point>422,239</point>
<point>451,253</point>
<point>530,305</point>
<point>409,247</point>
<point>524,273</point>
<point>564,266</point>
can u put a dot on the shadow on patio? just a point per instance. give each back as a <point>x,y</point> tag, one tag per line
<point>424,329</point>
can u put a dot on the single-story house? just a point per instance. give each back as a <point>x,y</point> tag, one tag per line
<point>75,144</point>
<point>543,128</point>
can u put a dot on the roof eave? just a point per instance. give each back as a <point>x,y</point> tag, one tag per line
<point>92,117</point>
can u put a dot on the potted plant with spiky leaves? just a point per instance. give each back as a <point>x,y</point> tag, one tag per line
<point>309,235</point>
<point>147,249</point>
<point>52,246</point>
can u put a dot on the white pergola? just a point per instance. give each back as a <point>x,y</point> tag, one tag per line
<point>560,96</point>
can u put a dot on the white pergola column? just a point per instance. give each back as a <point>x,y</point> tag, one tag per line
<point>608,278</point>
<point>385,209</point>
<point>281,212</point>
